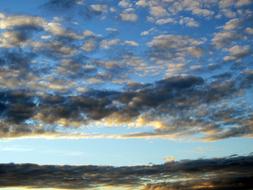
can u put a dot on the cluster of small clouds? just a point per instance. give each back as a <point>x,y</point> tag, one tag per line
<point>55,77</point>
<point>234,38</point>
<point>174,51</point>
<point>234,172</point>
<point>167,11</point>
<point>48,42</point>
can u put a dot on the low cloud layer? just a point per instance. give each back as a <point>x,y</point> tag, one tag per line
<point>233,172</point>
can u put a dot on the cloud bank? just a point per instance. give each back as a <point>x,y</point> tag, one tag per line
<point>234,172</point>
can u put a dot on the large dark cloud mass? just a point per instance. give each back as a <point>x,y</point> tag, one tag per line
<point>233,172</point>
<point>188,101</point>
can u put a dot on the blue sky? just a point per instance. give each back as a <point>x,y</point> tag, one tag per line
<point>123,82</point>
<point>116,152</point>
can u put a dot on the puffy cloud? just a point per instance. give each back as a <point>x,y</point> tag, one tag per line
<point>165,21</point>
<point>176,42</point>
<point>169,159</point>
<point>131,17</point>
<point>8,22</point>
<point>224,38</point>
<point>188,22</point>
<point>89,45</point>
<point>249,30</point>
<point>142,3</point>
<point>232,24</point>
<point>203,12</point>
<point>226,3</point>
<point>158,11</point>
<point>131,43</point>
<point>237,52</point>
<point>125,4</point>
<point>88,33</point>
<point>147,32</point>
<point>106,44</point>
<point>24,25</point>
<point>99,8</point>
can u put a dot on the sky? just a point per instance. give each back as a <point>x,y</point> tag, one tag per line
<point>125,83</point>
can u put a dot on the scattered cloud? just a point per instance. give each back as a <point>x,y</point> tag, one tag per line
<point>171,73</point>
<point>130,17</point>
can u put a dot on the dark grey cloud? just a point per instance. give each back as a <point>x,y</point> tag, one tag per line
<point>183,105</point>
<point>218,173</point>
<point>61,3</point>
<point>75,8</point>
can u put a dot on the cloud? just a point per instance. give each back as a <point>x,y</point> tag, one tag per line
<point>75,9</point>
<point>158,11</point>
<point>188,22</point>
<point>169,159</point>
<point>202,12</point>
<point>89,45</point>
<point>168,80</point>
<point>218,173</point>
<point>165,21</point>
<point>125,4</point>
<point>131,43</point>
<point>62,4</point>
<point>106,44</point>
<point>249,30</point>
<point>237,52</point>
<point>223,39</point>
<point>99,8</point>
<point>130,17</point>
<point>243,2</point>
<point>168,50</point>
<point>21,28</point>
<point>232,24</point>
<point>174,107</point>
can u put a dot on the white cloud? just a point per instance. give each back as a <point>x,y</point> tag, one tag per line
<point>131,43</point>
<point>169,159</point>
<point>158,11</point>
<point>125,4</point>
<point>99,8</point>
<point>203,12</point>
<point>131,17</point>
<point>147,32</point>
<point>224,38</point>
<point>89,45</point>
<point>106,44</point>
<point>232,24</point>
<point>165,21</point>
<point>249,30</point>
<point>188,22</point>
<point>237,52</point>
